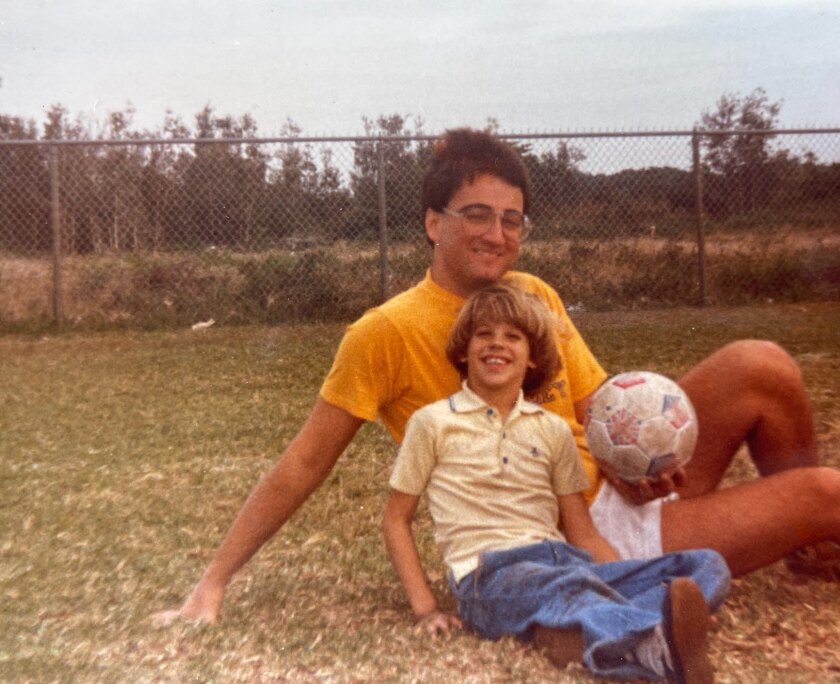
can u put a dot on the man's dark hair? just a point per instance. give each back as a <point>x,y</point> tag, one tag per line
<point>462,155</point>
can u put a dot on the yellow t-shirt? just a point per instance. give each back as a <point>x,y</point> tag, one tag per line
<point>491,484</point>
<point>392,361</point>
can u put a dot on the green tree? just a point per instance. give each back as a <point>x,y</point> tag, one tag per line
<point>224,183</point>
<point>120,220</point>
<point>556,181</point>
<point>77,180</point>
<point>293,187</point>
<point>24,189</point>
<point>162,182</point>
<point>740,163</point>
<point>404,161</point>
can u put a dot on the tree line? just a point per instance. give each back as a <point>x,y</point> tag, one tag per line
<point>248,196</point>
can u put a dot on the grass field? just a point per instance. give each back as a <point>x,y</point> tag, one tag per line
<point>125,456</point>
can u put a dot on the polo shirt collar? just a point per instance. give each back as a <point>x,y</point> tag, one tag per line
<point>467,401</point>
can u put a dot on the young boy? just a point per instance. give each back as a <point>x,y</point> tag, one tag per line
<point>499,473</point>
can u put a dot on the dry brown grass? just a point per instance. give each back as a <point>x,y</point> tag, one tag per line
<point>26,288</point>
<point>124,457</point>
<point>144,290</point>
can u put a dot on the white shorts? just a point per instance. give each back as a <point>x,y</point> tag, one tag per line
<point>634,531</point>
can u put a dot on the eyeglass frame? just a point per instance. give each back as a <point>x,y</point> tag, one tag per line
<point>524,230</point>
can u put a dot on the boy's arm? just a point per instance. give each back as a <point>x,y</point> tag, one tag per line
<point>580,531</point>
<point>399,539</point>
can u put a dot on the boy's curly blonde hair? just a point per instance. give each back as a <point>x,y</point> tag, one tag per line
<point>505,303</point>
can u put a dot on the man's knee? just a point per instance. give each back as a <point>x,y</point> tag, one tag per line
<point>760,365</point>
<point>810,502</point>
<point>818,486</point>
<point>760,356</point>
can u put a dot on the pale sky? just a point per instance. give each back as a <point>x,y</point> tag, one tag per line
<point>535,66</point>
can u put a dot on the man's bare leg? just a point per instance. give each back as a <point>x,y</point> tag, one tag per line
<point>748,392</point>
<point>757,523</point>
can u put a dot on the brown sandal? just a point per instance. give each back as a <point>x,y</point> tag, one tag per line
<point>686,624</point>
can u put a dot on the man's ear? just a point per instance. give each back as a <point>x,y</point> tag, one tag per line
<point>432,224</point>
<point>531,363</point>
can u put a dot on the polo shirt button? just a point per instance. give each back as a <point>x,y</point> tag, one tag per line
<point>489,412</point>
<point>505,460</point>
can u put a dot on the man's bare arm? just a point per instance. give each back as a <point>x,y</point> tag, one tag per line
<point>302,467</point>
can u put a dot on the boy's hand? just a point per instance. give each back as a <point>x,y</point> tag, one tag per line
<point>646,489</point>
<point>438,622</point>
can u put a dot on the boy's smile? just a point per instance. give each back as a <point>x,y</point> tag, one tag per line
<point>498,357</point>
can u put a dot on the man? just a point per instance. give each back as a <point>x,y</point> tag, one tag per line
<point>392,361</point>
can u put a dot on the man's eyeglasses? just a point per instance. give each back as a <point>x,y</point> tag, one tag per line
<point>479,218</point>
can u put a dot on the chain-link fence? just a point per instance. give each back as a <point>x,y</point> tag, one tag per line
<point>149,233</point>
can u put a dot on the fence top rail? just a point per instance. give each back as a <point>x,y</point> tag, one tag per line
<point>415,138</point>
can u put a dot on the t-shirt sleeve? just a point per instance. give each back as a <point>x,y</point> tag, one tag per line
<point>368,370</point>
<point>416,457</point>
<point>567,473</point>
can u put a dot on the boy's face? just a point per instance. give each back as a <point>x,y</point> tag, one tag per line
<point>498,356</point>
<point>464,262</point>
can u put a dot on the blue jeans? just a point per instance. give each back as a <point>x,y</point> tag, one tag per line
<point>617,605</point>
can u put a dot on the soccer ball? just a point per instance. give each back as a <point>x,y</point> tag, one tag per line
<point>640,424</point>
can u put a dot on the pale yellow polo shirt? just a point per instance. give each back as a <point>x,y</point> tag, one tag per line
<point>392,361</point>
<point>491,485</point>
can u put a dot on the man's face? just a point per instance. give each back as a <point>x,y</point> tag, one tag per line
<point>463,261</point>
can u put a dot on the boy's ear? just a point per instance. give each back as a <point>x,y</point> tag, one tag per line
<point>531,363</point>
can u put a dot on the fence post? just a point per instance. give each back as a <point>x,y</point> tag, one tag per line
<point>383,223</point>
<point>698,189</point>
<point>55,218</point>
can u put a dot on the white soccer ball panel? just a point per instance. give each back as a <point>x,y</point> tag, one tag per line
<point>644,400</point>
<point>686,441</point>
<point>598,438</point>
<point>658,437</point>
<point>629,462</point>
<point>606,400</point>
